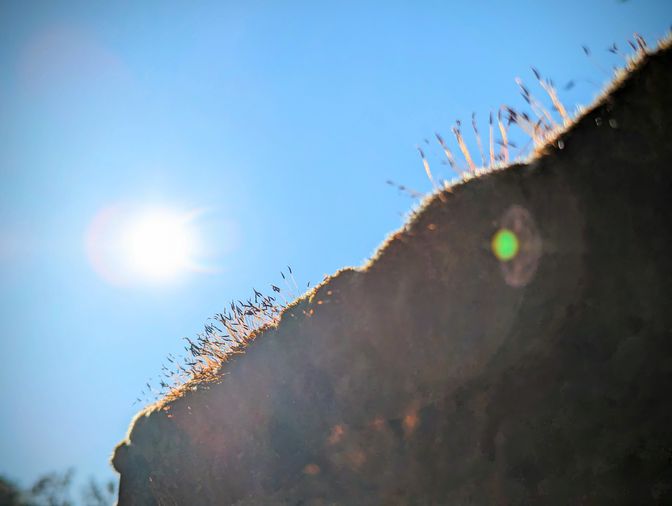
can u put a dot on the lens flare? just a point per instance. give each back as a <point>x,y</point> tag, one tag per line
<point>505,245</point>
<point>518,246</point>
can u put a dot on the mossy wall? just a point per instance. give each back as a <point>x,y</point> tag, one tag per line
<point>439,374</point>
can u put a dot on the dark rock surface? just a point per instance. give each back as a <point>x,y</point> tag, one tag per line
<point>438,374</point>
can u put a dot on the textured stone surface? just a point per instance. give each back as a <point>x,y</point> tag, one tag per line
<point>437,375</point>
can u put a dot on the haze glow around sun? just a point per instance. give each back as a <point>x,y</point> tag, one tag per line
<point>131,245</point>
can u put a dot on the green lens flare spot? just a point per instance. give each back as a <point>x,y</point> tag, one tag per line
<point>505,245</point>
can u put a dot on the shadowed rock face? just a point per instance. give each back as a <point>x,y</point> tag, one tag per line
<point>442,375</point>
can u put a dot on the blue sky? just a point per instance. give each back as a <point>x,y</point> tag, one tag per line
<point>281,120</point>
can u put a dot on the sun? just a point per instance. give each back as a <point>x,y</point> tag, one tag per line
<point>158,244</point>
<point>129,244</point>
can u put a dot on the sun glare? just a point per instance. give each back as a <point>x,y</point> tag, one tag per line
<point>127,244</point>
<point>158,245</point>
